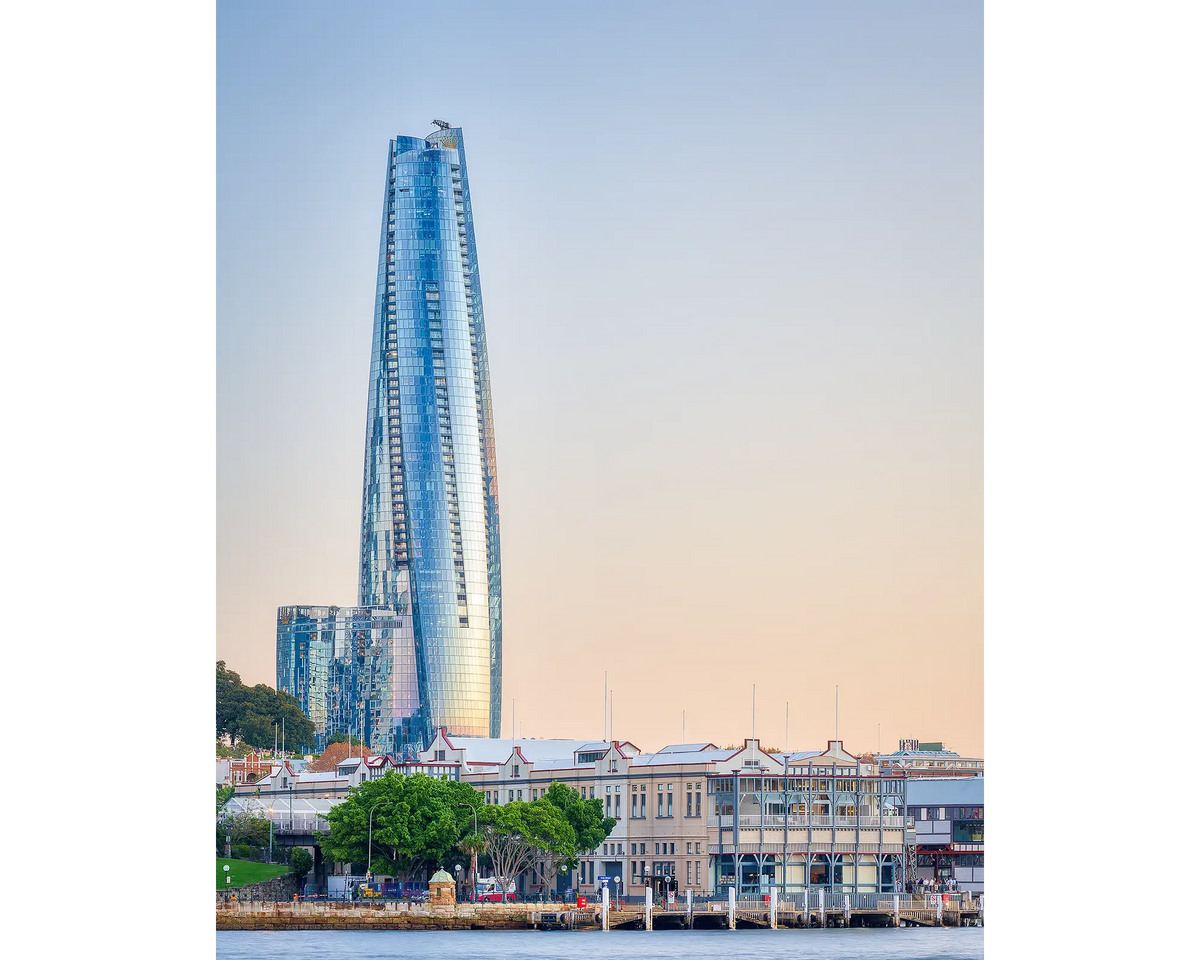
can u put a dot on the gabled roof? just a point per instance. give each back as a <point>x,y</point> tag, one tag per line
<point>664,759</point>
<point>688,747</point>
<point>797,756</point>
<point>478,750</point>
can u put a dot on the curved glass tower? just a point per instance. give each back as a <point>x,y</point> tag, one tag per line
<point>430,523</point>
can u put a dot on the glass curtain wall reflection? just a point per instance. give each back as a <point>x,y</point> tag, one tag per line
<point>353,669</point>
<point>430,548</point>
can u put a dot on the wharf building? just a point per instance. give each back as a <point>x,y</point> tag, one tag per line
<point>929,759</point>
<point>700,817</point>
<point>422,649</point>
<point>947,823</point>
<point>689,816</point>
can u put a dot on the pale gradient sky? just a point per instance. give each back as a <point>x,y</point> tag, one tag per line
<point>732,267</point>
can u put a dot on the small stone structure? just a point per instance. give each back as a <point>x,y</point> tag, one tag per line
<point>441,889</point>
<point>281,888</point>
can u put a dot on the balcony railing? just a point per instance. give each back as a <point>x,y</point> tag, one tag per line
<point>776,822</point>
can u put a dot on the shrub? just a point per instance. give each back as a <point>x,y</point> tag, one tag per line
<point>302,862</point>
<point>243,851</point>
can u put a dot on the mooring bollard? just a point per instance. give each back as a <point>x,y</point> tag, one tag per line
<point>649,909</point>
<point>732,909</point>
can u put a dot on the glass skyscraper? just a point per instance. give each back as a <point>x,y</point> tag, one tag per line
<point>430,548</point>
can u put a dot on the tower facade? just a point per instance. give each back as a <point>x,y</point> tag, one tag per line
<point>430,547</point>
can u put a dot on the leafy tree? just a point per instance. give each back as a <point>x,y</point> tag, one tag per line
<point>589,825</point>
<point>223,795</point>
<point>519,834</point>
<point>248,828</point>
<point>302,862</point>
<point>250,714</point>
<point>341,738</point>
<point>239,749</point>
<point>414,823</point>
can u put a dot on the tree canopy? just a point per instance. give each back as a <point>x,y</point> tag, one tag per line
<point>519,834</point>
<point>250,714</point>
<point>414,822</point>
<point>589,828</point>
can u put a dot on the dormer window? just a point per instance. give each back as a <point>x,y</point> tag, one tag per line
<point>516,770</point>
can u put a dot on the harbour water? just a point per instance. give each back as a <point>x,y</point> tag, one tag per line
<point>912,943</point>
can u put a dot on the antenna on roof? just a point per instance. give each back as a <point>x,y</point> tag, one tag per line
<point>786,718</point>
<point>835,713</point>
<point>753,692</point>
<point>685,726</point>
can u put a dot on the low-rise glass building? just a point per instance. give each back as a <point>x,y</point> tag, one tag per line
<point>353,669</point>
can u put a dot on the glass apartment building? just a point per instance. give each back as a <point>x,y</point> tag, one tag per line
<point>430,547</point>
<point>353,669</point>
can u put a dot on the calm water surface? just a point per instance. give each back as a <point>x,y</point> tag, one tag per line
<point>907,943</point>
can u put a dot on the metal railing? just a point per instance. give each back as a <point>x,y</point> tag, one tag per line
<point>777,822</point>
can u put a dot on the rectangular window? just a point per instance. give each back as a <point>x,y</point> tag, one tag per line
<point>617,808</point>
<point>608,806</point>
<point>520,794</point>
<point>689,848</point>
<point>689,872</point>
<point>660,808</point>
<point>670,804</point>
<point>591,793</point>
<point>643,803</point>
<point>689,804</point>
<point>672,849</point>
<point>510,794</point>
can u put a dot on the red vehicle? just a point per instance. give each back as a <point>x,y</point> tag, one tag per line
<point>489,890</point>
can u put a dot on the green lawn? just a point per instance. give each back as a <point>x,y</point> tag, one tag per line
<point>246,871</point>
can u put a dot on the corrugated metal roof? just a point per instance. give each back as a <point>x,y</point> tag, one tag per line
<point>945,791</point>
<point>797,756</point>
<point>686,747</point>
<point>699,756</point>
<point>486,750</point>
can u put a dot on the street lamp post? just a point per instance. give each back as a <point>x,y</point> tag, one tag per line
<point>271,835</point>
<point>474,852</point>
<point>370,824</point>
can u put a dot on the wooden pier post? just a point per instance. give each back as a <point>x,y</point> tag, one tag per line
<point>821,904</point>
<point>732,908</point>
<point>649,907</point>
<point>689,896</point>
<point>774,909</point>
<point>604,906</point>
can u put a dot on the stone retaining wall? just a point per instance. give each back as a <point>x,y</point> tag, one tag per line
<point>390,915</point>
<point>281,888</point>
